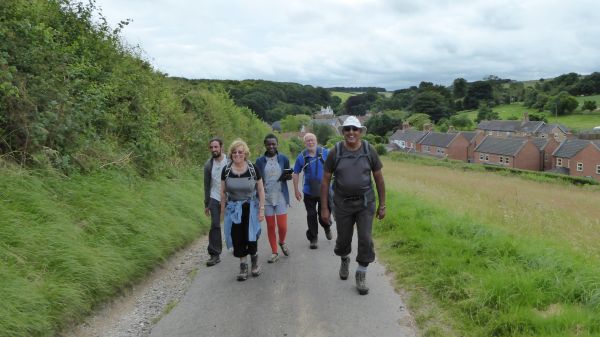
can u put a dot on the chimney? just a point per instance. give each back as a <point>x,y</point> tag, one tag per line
<point>427,127</point>
<point>525,116</point>
<point>405,125</point>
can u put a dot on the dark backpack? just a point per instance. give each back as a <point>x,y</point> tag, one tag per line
<point>338,153</point>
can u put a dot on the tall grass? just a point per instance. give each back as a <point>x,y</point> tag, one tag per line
<point>70,243</point>
<point>500,256</point>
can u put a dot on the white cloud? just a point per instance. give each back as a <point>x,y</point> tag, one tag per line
<point>386,43</point>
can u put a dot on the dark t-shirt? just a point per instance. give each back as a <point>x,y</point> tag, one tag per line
<point>353,173</point>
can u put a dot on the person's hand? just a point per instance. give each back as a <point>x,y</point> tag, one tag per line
<point>207,211</point>
<point>298,195</point>
<point>381,212</point>
<point>325,216</point>
<point>261,214</point>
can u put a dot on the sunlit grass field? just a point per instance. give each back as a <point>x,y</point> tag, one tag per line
<point>492,255</point>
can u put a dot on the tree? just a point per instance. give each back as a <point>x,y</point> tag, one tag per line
<point>589,105</point>
<point>562,104</point>
<point>459,88</point>
<point>293,123</point>
<point>431,103</point>
<point>381,124</point>
<point>322,131</point>
<point>461,122</point>
<point>477,92</point>
<point>486,113</point>
<point>417,120</point>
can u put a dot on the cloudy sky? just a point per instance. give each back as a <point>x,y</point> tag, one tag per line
<point>387,43</point>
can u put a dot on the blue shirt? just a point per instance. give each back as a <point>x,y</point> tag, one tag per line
<point>314,169</point>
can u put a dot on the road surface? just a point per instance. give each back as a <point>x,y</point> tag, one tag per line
<point>300,295</point>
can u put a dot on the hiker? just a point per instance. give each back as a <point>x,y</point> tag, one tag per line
<point>243,206</point>
<point>351,163</point>
<point>274,167</point>
<point>311,160</point>
<point>212,198</point>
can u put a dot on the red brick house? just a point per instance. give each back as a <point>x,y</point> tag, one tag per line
<point>406,140</point>
<point>520,153</point>
<point>578,157</point>
<point>444,145</point>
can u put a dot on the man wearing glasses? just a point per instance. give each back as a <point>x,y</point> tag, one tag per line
<point>351,163</point>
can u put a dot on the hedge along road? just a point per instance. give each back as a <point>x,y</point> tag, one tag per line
<point>300,295</point>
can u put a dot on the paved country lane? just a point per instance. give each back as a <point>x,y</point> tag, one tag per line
<point>301,295</point>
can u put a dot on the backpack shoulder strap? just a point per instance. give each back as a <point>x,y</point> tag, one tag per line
<point>338,155</point>
<point>227,170</point>
<point>367,150</point>
<point>320,154</point>
<point>252,170</point>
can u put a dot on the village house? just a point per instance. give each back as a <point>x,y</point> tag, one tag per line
<point>546,146</point>
<point>578,157</point>
<point>557,131</point>
<point>520,153</point>
<point>405,139</point>
<point>444,145</point>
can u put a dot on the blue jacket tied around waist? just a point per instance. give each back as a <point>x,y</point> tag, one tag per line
<point>233,215</point>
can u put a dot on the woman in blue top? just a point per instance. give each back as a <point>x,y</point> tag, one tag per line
<point>242,205</point>
<point>275,170</point>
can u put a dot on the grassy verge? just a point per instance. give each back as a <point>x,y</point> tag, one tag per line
<point>486,280</point>
<point>67,244</point>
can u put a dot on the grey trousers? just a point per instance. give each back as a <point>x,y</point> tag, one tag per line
<point>215,242</point>
<point>358,210</point>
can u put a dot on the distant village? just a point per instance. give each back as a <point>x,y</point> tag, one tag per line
<point>520,144</point>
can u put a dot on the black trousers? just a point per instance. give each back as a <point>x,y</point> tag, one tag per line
<point>215,242</point>
<point>239,235</point>
<point>313,217</point>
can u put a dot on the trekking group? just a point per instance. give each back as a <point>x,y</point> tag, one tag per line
<point>242,194</point>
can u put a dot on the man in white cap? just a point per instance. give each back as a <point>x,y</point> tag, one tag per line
<point>351,163</point>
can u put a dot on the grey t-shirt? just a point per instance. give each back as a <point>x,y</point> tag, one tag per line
<point>240,186</point>
<point>273,193</point>
<point>352,175</point>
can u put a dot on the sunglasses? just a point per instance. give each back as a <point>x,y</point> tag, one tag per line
<point>348,128</point>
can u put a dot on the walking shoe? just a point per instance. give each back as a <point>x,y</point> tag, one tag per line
<point>214,259</point>
<point>284,248</point>
<point>344,268</point>
<point>274,258</point>
<point>313,244</point>
<point>361,282</point>
<point>255,266</point>
<point>328,234</point>
<point>243,275</point>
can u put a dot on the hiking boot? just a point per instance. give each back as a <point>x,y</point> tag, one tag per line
<point>328,234</point>
<point>255,266</point>
<point>214,259</point>
<point>344,268</point>
<point>274,258</point>
<point>243,275</point>
<point>284,248</point>
<point>361,282</point>
<point>313,244</point>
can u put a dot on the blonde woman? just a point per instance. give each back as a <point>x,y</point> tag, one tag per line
<point>243,207</point>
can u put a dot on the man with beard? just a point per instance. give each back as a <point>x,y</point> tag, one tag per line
<point>212,198</point>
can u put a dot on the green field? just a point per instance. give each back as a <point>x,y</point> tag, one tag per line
<point>577,121</point>
<point>342,95</point>
<point>484,255</point>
